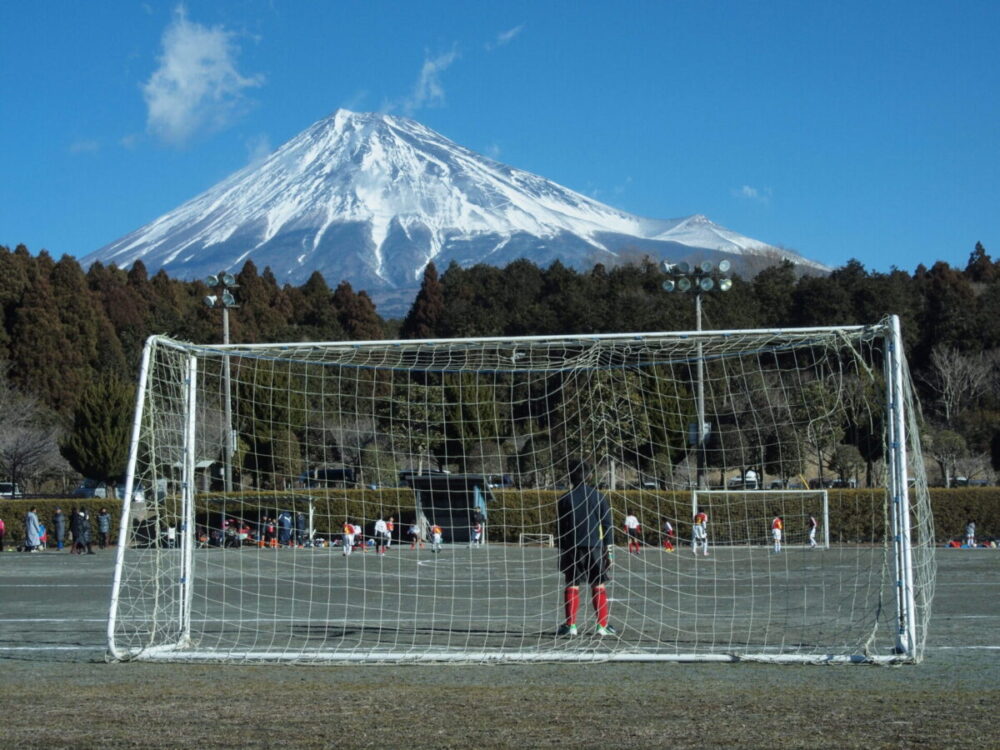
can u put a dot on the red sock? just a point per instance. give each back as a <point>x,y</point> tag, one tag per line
<point>600,597</point>
<point>572,600</point>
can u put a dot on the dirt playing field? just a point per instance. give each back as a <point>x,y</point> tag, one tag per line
<point>56,691</point>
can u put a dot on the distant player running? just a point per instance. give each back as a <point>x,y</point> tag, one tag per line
<point>381,535</point>
<point>669,536</point>
<point>585,532</point>
<point>415,536</point>
<point>348,537</point>
<point>436,537</point>
<point>777,525</point>
<point>632,531</point>
<point>813,525</point>
<point>699,529</point>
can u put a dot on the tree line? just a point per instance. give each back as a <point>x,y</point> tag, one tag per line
<point>71,339</point>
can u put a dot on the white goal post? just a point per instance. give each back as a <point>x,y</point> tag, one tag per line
<point>311,502</point>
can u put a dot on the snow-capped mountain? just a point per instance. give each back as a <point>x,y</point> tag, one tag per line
<point>373,198</point>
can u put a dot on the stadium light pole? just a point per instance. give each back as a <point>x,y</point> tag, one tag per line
<point>223,284</point>
<point>701,279</point>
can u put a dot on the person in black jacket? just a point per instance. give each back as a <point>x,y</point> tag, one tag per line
<point>79,525</point>
<point>585,537</point>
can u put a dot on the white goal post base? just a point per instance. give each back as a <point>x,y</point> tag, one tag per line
<point>254,459</point>
<point>591,655</point>
<point>537,540</point>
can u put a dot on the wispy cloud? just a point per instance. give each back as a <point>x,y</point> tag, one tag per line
<point>84,146</point>
<point>504,37</point>
<point>196,87</point>
<point>758,195</point>
<point>258,148</point>
<point>428,90</point>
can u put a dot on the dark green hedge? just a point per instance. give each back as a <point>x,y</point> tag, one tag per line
<point>854,514</point>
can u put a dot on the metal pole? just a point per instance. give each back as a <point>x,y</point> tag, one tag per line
<point>228,463</point>
<point>702,458</point>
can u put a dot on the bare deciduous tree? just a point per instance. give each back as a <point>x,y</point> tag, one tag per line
<point>960,380</point>
<point>29,437</point>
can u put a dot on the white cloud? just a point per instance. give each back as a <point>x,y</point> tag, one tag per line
<point>84,146</point>
<point>196,87</point>
<point>258,148</point>
<point>428,91</point>
<point>760,195</point>
<point>505,37</point>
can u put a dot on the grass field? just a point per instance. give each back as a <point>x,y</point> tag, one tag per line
<point>56,690</point>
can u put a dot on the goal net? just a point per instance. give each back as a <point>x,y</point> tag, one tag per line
<point>374,501</point>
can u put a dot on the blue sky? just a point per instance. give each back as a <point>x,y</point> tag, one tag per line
<point>840,130</point>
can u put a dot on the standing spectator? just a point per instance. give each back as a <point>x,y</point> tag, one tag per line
<point>171,534</point>
<point>3,532</point>
<point>300,528</point>
<point>970,533</point>
<point>436,536</point>
<point>79,526</point>
<point>59,527</point>
<point>32,532</point>
<point>632,532</point>
<point>284,528</point>
<point>813,525</point>
<point>585,533</point>
<point>776,527</point>
<point>381,535</point>
<point>103,528</point>
<point>669,536</point>
<point>700,531</point>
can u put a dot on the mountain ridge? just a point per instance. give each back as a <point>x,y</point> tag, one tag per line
<point>372,198</point>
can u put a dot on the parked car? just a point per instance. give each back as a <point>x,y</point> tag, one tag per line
<point>786,484</point>
<point>500,480</point>
<point>90,488</point>
<point>10,489</point>
<point>96,488</point>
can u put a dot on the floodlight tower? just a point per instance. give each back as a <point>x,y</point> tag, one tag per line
<point>223,284</point>
<point>701,279</point>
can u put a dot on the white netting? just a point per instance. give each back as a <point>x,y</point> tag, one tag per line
<point>238,553</point>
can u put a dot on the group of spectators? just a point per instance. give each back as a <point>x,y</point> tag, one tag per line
<point>283,530</point>
<point>39,536</point>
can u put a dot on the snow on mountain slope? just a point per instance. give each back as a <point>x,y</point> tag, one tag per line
<point>373,198</point>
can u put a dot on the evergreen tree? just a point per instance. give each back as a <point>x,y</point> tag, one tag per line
<point>773,289</point>
<point>43,359</point>
<point>425,315</point>
<point>980,267</point>
<point>313,310</point>
<point>96,445</point>
<point>357,314</point>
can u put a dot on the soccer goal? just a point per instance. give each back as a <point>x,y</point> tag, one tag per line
<point>745,518</point>
<point>308,502</point>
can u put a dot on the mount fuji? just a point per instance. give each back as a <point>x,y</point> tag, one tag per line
<point>373,198</point>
